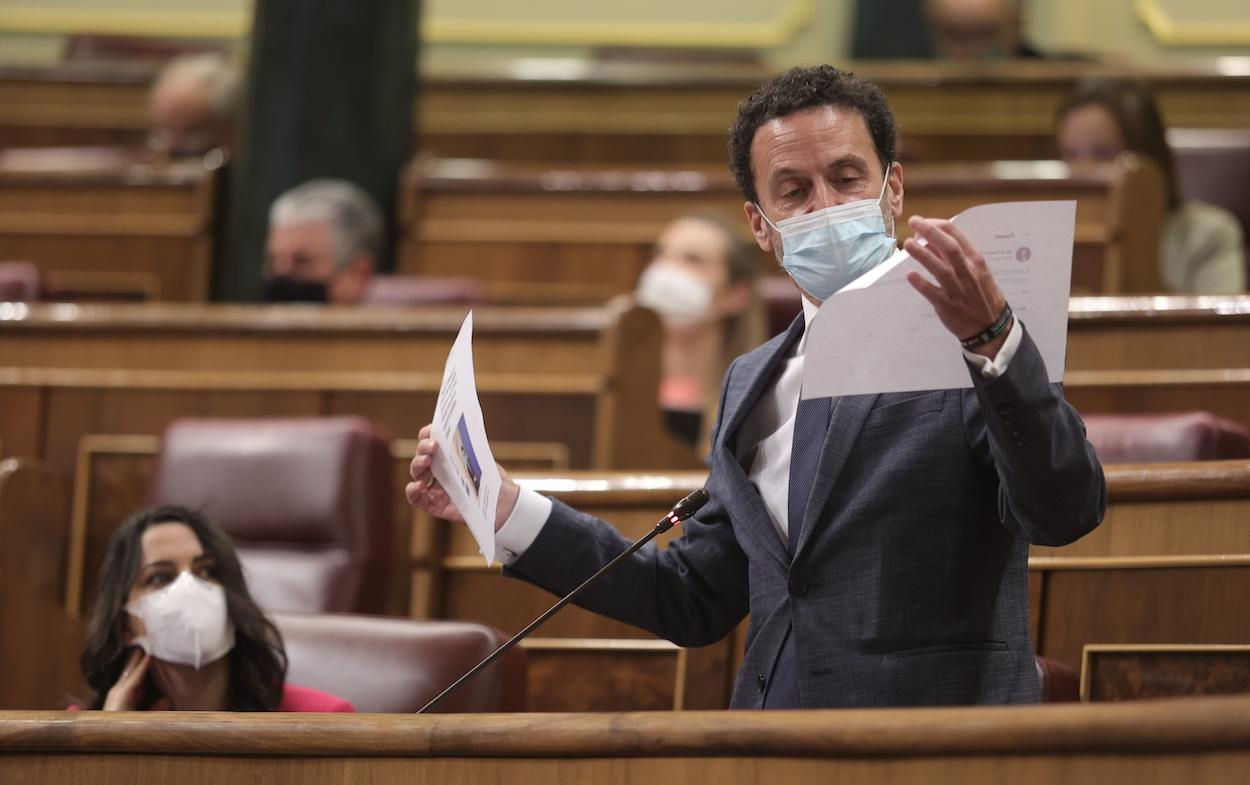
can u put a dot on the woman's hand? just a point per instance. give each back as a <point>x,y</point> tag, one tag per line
<point>425,493</point>
<point>128,691</point>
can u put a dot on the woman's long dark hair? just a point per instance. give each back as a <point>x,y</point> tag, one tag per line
<point>1133,106</point>
<point>257,661</point>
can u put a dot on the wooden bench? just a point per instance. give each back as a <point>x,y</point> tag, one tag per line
<point>646,113</point>
<point>586,377</point>
<point>1141,671</point>
<point>1158,333</point>
<point>125,231</point>
<point>503,222</point>
<point>1170,564</point>
<point>443,576</point>
<point>39,645</point>
<point>1104,334</point>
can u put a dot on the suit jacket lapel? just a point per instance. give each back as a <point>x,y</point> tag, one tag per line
<point>845,422</point>
<point>742,396</point>
<point>740,401</point>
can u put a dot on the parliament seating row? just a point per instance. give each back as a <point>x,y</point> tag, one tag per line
<point>119,230</point>
<point>1167,566</point>
<point>596,228</point>
<point>526,234</point>
<point>646,113</point>
<point>1198,740</point>
<point>1104,334</point>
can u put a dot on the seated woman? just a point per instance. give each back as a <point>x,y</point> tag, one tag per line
<point>174,626</point>
<point>1201,248</point>
<point>701,281</point>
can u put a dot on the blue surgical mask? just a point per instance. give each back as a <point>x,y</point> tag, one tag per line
<point>827,249</point>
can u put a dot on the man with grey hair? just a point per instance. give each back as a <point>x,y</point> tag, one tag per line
<point>323,245</point>
<point>192,105</point>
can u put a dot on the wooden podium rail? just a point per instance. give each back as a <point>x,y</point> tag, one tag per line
<point>1195,740</point>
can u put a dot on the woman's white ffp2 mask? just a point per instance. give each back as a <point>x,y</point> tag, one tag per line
<point>825,250</point>
<point>187,622</point>
<point>680,297</point>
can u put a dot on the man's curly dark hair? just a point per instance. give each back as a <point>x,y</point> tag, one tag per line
<point>804,88</point>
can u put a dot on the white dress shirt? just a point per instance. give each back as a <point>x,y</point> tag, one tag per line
<point>764,445</point>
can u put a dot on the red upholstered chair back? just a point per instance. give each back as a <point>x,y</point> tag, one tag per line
<point>1058,683</point>
<point>20,282</point>
<point>419,290</point>
<point>308,503</point>
<point>399,665</point>
<point>1165,438</point>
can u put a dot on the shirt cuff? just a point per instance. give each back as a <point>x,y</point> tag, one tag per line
<point>523,525</point>
<point>992,369</point>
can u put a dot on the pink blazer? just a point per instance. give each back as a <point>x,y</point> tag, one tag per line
<point>297,698</point>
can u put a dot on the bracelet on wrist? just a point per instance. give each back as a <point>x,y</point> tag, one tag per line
<point>989,333</point>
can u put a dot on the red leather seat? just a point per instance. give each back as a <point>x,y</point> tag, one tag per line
<point>1057,681</point>
<point>1164,438</point>
<point>20,282</point>
<point>399,665</point>
<point>308,503</point>
<point>419,290</point>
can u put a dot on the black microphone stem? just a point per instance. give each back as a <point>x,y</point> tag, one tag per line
<point>664,525</point>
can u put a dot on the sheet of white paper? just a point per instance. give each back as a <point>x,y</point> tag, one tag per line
<point>464,465</point>
<point>878,334</point>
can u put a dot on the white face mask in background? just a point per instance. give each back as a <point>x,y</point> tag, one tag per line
<point>680,297</point>
<point>187,622</point>
<point>827,249</point>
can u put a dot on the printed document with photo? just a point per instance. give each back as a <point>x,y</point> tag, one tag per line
<point>879,335</point>
<point>464,465</point>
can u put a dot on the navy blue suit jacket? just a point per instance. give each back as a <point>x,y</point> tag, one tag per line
<point>909,584</point>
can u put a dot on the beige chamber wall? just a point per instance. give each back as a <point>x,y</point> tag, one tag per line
<point>783,32</point>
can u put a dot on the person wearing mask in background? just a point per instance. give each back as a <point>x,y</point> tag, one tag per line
<point>701,282</point>
<point>1200,249</point>
<point>174,627</point>
<point>192,106</point>
<point>879,543</point>
<point>976,29</point>
<point>323,244</point>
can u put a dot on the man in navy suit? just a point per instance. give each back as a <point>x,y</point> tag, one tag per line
<point>879,542</point>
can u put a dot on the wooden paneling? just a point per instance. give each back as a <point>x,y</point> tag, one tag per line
<point>515,223</point>
<point>1158,333</point>
<point>640,113</point>
<point>1198,740</point>
<point>138,232</point>
<point>1223,392</point>
<point>584,378</point>
<point>1143,672</point>
<point>38,645</point>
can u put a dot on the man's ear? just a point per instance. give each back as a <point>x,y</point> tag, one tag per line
<point>758,227</point>
<point>896,190</point>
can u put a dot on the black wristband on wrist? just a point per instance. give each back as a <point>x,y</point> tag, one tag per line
<point>989,333</point>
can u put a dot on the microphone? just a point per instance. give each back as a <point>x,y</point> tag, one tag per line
<point>680,512</point>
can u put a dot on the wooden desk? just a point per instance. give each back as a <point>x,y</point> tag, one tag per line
<point>646,113</point>
<point>129,231</point>
<point>1194,740</point>
<point>503,222</point>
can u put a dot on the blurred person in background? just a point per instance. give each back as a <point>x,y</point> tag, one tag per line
<point>976,29</point>
<point>324,239</point>
<point>192,106</point>
<point>701,281</point>
<point>1201,249</point>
